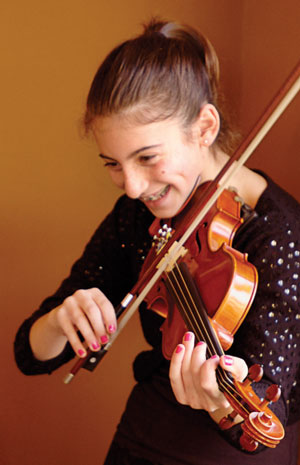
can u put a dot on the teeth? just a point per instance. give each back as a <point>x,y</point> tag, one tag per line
<point>151,198</point>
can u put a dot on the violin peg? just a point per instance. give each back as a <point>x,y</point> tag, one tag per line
<point>273,393</point>
<point>248,443</point>
<point>228,421</point>
<point>255,374</point>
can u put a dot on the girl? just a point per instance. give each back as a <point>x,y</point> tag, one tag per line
<point>154,112</point>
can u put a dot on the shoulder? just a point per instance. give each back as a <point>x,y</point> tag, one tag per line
<point>274,234</point>
<point>279,214</point>
<point>276,209</point>
<point>278,200</point>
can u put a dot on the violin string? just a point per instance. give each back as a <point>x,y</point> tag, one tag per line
<point>186,301</point>
<point>189,316</point>
<point>198,326</point>
<point>222,377</point>
<point>226,385</point>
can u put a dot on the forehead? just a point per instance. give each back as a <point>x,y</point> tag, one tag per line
<point>119,139</point>
<point>127,128</point>
<point>119,129</point>
<point>103,124</point>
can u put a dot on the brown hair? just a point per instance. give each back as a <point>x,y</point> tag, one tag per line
<point>169,70</point>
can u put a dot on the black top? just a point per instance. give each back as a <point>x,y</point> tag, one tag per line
<point>154,425</point>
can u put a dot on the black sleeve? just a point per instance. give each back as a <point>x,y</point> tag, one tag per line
<point>108,263</point>
<point>270,334</point>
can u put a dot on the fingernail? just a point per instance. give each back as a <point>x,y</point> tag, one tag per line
<point>81,353</point>
<point>188,336</point>
<point>228,360</point>
<point>178,349</point>
<point>214,356</point>
<point>95,346</point>
<point>111,328</point>
<point>200,343</point>
<point>104,339</point>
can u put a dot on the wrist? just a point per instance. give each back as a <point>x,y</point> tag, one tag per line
<point>46,338</point>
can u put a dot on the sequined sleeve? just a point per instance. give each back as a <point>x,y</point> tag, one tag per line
<point>110,262</point>
<point>270,334</point>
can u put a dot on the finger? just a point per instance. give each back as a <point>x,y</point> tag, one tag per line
<point>198,358</point>
<point>187,375</point>
<point>70,331</point>
<point>188,342</point>
<point>76,310</point>
<point>175,374</point>
<point>107,310</point>
<point>208,374</point>
<point>93,304</point>
<point>235,365</point>
<point>214,398</point>
<point>192,387</point>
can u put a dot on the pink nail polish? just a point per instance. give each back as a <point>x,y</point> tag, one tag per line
<point>111,328</point>
<point>178,349</point>
<point>104,339</point>
<point>81,353</point>
<point>200,343</point>
<point>214,356</point>
<point>188,336</point>
<point>228,360</point>
<point>95,345</point>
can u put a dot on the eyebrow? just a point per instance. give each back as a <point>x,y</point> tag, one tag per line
<point>136,152</point>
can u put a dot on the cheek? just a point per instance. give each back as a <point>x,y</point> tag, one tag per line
<point>160,169</point>
<point>166,166</point>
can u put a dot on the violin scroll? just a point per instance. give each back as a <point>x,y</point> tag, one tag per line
<point>260,424</point>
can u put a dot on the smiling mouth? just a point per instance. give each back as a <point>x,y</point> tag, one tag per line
<point>152,198</point>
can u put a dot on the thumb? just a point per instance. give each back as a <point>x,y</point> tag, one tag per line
<point>235,365</point>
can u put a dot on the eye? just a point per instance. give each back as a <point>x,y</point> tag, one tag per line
<point>112,166</point>
<point>110,163</point>
<point>147,159</point>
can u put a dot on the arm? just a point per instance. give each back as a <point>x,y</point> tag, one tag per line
<point>105,264</point>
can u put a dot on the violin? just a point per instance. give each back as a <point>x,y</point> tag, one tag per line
<point>209,290</point>
<point>194,278</point>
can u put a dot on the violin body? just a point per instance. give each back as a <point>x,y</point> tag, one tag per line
<point>225,279</point>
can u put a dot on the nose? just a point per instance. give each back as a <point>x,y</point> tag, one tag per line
<point>135,182</point>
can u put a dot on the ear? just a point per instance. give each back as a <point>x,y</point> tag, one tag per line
<point>209,124</point>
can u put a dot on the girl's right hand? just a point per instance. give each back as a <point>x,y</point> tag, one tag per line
<point>87,311</point>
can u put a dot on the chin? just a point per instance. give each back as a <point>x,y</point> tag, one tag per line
<point>164,213</point>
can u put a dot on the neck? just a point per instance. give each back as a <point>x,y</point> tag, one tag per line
<point>248,184</point>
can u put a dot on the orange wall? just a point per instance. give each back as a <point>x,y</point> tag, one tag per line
<point>54,192</point>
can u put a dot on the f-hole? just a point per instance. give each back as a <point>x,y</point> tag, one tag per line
<point>204,225</point>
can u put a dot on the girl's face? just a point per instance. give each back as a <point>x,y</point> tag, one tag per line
<point>156,163</point>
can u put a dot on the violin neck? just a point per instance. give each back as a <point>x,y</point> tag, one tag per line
<point>188,300</point>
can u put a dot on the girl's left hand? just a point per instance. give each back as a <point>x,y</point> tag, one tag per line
<point>193,377</point>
